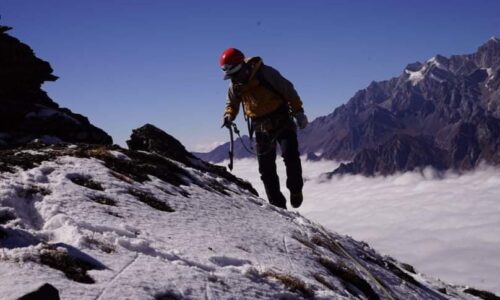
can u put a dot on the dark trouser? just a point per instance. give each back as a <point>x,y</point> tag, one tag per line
<point>266,148</point>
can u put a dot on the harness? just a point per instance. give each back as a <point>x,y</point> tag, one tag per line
<point>274,121</point>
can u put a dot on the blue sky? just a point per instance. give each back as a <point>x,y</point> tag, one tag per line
<point>130,62</point>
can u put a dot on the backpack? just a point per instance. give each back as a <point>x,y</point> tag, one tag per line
<point>266,84</point>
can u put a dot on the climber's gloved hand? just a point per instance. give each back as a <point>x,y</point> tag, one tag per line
<point>301,119</point>
<point>226,122</point>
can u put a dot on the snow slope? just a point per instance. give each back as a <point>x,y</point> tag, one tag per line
<point>447,226</point>
<point>84,221</point>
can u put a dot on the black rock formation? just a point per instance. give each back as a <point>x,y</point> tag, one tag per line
<point>26,112</point>
<point>46,292</point>
<point>152,139</point>
<point>400,154</point>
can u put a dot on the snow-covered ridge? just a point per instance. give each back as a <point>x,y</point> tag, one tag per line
<point>438,66</point>
<point>186,234</point>
<point>439,62</point>
<point>416,76</point>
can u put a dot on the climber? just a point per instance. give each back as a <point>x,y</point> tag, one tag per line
<point>270,102</point>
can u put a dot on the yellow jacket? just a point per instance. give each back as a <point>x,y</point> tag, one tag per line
<point>258,100</point>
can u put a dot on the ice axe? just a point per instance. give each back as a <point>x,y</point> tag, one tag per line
<point>230,126</point>
<point>231,147</point>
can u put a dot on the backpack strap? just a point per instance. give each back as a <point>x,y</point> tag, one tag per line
<point>263,81</point>
<point>249,124</point>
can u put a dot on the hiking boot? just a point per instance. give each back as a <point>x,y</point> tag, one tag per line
<point>296,199</point>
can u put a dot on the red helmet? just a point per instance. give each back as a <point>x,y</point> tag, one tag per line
<point>231,61</point>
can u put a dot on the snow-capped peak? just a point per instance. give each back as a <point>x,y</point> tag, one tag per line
<point>439,62</point>
<point>415,75</point>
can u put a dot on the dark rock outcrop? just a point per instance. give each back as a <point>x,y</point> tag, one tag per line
<point>46,292</point>
<point>152,139</point>
<point>26,111</point>
<point>400,154</point>
<point>474,142</point>
<point>470,143</point>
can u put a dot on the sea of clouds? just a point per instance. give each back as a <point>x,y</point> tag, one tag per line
<point>445,225</point>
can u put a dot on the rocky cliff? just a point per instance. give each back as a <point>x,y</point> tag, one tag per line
<point>27,113</point>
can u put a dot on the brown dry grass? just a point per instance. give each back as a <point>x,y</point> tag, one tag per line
<point>291,283</point>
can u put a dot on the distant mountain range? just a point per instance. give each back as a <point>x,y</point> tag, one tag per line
<point>443,113</point>
<point>221,152</point>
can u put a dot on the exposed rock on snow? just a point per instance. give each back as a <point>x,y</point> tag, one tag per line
<point>45,292</point>
<point>152,139</point>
